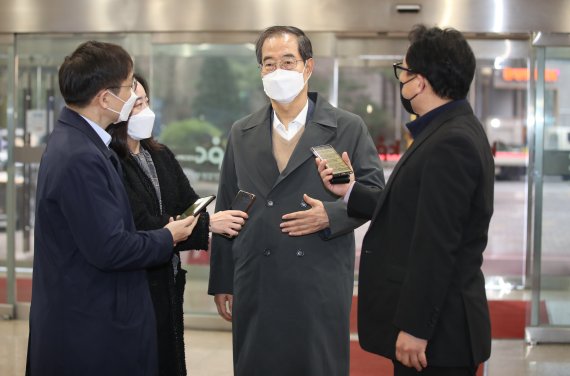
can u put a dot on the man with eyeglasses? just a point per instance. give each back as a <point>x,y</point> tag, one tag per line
<point>286,281</point>
<point>421,291</point>
<point>91,311</point>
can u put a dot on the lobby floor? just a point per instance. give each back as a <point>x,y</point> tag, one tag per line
<point>209,353</point>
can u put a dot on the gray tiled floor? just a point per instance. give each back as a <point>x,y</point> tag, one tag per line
<point>208,353</point>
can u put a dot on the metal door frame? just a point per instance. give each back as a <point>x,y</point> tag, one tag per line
<point>7,310</point>
<point>535,332</point>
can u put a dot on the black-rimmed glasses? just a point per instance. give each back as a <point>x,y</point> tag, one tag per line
<point>398,68</point>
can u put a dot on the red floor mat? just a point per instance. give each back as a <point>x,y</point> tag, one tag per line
<point>23,290</point>
<point>509,317</point>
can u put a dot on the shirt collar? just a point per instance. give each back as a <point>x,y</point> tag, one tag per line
<point>105,137</point>
<point>417,126</point>
<point>299,121</point>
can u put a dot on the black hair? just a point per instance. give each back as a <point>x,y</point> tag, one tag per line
<point>305,47</point>
<point>444,58</point>
<point>119,134</point>
<point>92,67</point>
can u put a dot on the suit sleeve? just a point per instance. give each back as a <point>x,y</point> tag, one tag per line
<point>448,182</point>
<point>221,257</point>
<point>363,200</point>
<point>97,223</point>
<point>368,172</point>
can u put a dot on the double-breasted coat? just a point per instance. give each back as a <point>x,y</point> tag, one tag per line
<point>292,295</point>
<point>420,267</point>
<point>91,311</point>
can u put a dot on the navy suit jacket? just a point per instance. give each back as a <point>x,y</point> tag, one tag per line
<point>91,312</point>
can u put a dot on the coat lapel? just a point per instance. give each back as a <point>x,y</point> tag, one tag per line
<point>319,129</point>
<point>256,141</point>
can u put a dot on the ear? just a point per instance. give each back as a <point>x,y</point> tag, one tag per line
<point>102,99</point>
<point>310,64</point>
<point>422,82</point>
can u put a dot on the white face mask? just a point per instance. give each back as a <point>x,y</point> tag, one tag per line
<point>140,125</point>
<point>127,107</point>
<point>283,85</point>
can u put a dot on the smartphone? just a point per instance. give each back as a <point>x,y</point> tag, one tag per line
<point>242,201</point>
<point>341,171</point>
<point>198,206</point>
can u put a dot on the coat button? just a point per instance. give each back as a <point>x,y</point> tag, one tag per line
<point>300,253</point>
<point>270,203</point>
<point>303,204</point>
<point>267,252</point>
<point>367,252</point>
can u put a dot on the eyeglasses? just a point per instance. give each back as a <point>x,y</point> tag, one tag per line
<point>132,86</point>
<point>398,68</point>
<point>269,66</point>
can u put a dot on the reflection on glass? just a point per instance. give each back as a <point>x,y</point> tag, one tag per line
<point>555,284</point>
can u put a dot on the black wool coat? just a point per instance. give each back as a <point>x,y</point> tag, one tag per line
<point>167,292</point>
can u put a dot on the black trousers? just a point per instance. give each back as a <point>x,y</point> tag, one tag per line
<point>402,370</point>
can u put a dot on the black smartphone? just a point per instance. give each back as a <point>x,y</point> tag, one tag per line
<point>242,201</point>
<point>341,171</point>
<point>198,206</point>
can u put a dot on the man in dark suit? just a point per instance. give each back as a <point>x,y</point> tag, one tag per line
<point>421,299</point>
<point>91,312</point>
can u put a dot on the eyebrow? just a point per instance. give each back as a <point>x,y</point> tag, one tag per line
<point>272,58</point>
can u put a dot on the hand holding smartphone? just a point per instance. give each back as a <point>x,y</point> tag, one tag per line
<point>341,171</point>
<point>242,201</point>
<point>198,206</point>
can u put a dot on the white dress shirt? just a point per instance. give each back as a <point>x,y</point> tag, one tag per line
<point>291,130</point>
<point>105,137</point>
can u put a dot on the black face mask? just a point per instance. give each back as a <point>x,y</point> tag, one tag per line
<point>407,103</point>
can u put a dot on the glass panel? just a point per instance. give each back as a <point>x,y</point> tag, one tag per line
<point>367,87</point>
<point>555,284</point>
<point>4,98</point>
<point>499,92</point>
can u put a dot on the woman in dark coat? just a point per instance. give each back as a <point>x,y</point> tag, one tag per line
<point>159,190</point>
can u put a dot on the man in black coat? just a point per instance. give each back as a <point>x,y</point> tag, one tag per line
<point>421,299</point>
